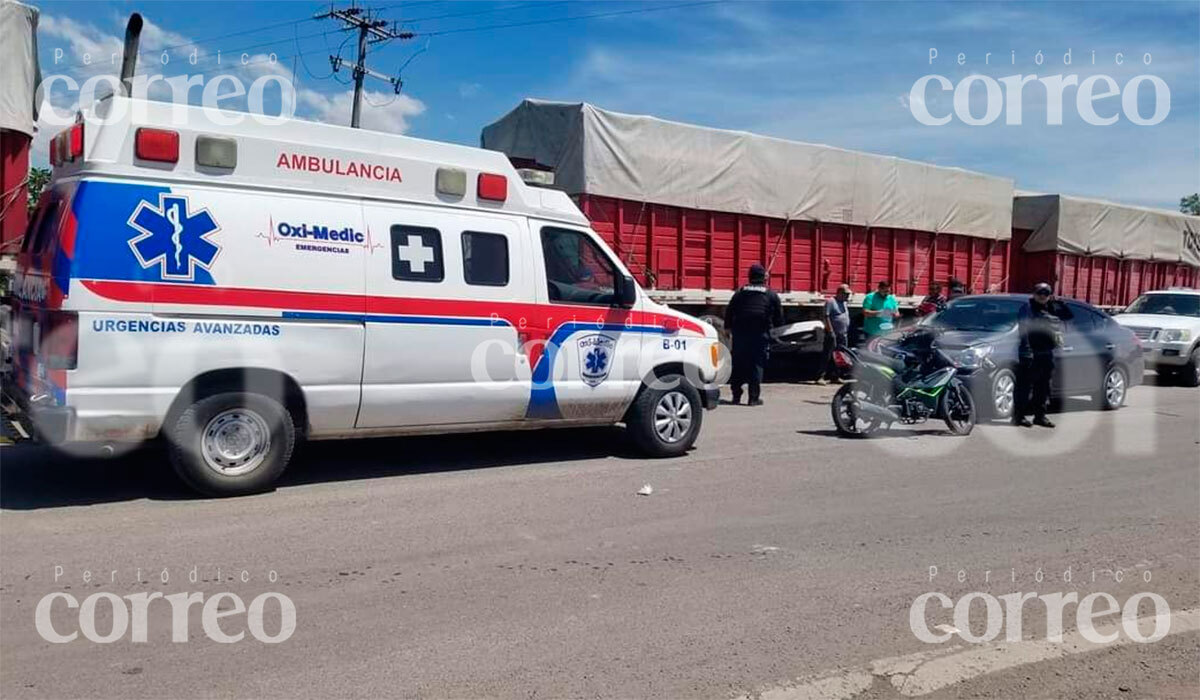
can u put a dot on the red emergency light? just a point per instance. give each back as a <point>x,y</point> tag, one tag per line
<point>156,144</point>
<point>493,187</point>
<point>67,145</point>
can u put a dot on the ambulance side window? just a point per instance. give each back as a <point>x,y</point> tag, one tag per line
<point>577,270</point>
<point>485,258</point>
<point>417,254</point>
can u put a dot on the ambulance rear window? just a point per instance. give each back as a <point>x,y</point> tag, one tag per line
<point>44,226</point>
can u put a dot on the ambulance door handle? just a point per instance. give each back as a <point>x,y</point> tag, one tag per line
<point>522,340</point>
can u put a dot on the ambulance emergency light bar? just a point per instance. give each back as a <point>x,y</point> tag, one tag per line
<point>489,186</point>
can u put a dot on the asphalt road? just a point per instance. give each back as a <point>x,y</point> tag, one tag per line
<point>526,565</point>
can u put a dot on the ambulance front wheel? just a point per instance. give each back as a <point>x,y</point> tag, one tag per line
<point>232,443</point>
<point>665,418</point>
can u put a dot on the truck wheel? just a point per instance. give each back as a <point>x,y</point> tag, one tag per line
<point>232,443</point>
<point>665,418</point>
<point>1190,376</point>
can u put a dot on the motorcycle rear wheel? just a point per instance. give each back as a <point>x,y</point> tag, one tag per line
<point>958,408</point>
<point>846,419</point>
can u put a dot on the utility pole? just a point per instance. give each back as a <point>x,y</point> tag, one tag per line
<point>371,30</point>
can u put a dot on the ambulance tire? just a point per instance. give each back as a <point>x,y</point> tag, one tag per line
<point>259,436</point>
<point>665,418</point>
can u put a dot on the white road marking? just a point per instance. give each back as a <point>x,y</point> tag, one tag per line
<point>924,672</point>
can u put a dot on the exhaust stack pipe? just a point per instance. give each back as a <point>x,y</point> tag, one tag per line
<point>133,35</point>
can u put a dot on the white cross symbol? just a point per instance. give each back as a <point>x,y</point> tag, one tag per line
<point>416,254</point>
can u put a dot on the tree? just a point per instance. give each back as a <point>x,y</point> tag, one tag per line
<point>38,179</point>
<point>1190,204</point>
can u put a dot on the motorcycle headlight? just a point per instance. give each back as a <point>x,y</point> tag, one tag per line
<point>1176,335</point>
<point>972,358</point>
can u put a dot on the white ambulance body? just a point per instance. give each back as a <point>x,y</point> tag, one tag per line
<point>235,288</point>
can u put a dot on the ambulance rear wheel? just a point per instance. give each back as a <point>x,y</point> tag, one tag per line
<point>232,443</point>
<point>665,418</point>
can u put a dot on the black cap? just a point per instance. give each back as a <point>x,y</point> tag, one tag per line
<point>758,273</point>
<point>1042,288</point>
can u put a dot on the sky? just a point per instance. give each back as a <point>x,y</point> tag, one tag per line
<point>832,73</point>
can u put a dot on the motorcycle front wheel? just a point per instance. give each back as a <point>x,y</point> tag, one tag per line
<point>846,418</point>
<point>958,408</point>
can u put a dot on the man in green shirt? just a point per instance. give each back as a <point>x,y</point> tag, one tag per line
<point>879,310</point>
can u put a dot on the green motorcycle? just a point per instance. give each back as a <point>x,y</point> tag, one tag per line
<point>908,388</point>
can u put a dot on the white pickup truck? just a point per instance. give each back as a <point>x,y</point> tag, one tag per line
<point>1168,324</point>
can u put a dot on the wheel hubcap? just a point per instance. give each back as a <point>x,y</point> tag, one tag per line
<point>1114,388</point>
<point>235,442</point>
<point>672,417</point>
<point>1002,397</point>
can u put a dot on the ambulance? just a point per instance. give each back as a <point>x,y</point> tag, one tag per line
<point>234,286</point>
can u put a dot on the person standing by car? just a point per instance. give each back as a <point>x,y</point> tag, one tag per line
<point>1040,324</point>
<point>752,312</point>
<point>880,307</point>
<point>933,302</point>
<point>837,333</point>
<point>957,289</point>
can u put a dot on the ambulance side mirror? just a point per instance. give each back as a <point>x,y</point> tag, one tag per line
<point>626,292</point>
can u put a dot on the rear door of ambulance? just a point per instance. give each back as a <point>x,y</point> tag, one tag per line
<point>45,335</point>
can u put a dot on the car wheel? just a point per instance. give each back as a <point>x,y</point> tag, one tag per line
<point>665,418</point>
<point>232,443</point>
<point>1004,394</point>
<point>1114,388</point>
<point>1190,376</point>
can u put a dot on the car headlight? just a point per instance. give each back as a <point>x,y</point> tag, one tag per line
<point>1176,335</point>
<point>972,358</point>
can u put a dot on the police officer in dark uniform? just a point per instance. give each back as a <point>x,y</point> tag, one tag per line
<point>1041,327</point>
<point>752,312</point>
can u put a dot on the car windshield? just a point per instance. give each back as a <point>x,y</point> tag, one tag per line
<point>984,315</point>
<point>1168,304</point>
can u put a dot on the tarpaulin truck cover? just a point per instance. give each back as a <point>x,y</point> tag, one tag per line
<point>641,158</point>
<point>19,73</point>
<point>1081,226</point>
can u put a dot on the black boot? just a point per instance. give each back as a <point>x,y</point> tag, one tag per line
<point>1021,421</point>
<point>1043,421</point>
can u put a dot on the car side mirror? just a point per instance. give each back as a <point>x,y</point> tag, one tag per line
<point>626,292</point>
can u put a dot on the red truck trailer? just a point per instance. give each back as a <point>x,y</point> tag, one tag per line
<point>1102,252</point>
<point>19,77</point>
<point>690,208</point>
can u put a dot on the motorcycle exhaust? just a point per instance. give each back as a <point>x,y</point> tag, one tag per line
<point>866,409</point>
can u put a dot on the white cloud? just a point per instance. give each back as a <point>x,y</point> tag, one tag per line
<point>380,111</point>
<point>78,42</point>
<point>466,90</point>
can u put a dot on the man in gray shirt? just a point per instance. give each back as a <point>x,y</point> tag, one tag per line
<point>837,332</point>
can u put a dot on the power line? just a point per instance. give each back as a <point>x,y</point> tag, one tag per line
<point>490,10</point>
<point>370,31</point>
<point>573,18</point>
<point>238,33</point>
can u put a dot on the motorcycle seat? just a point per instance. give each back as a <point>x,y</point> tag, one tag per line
<point>876,358</point>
